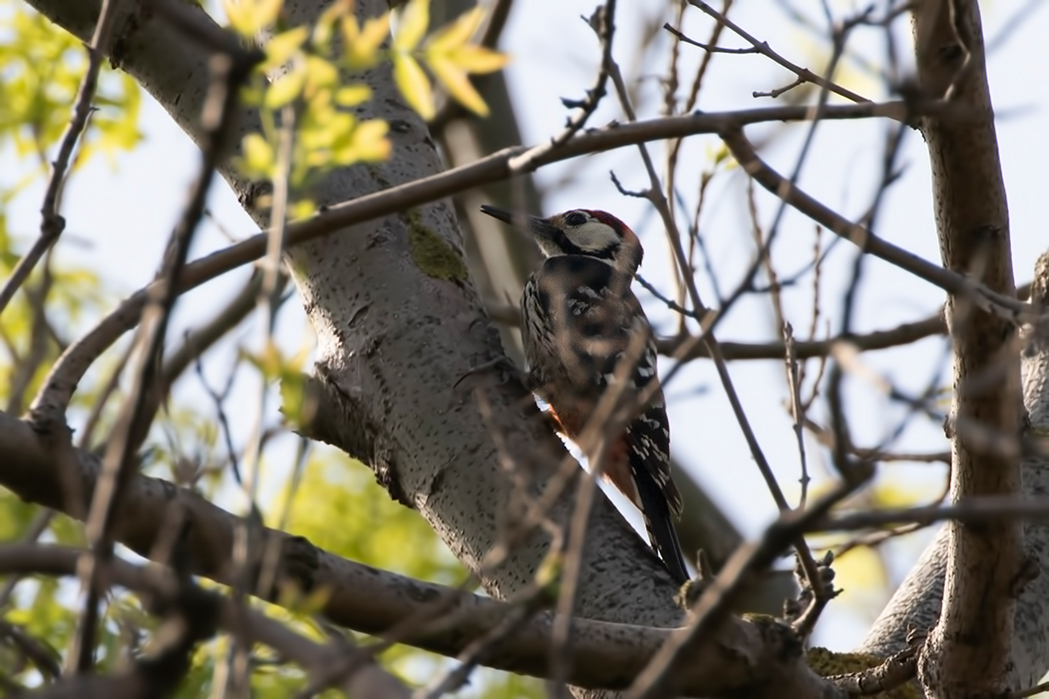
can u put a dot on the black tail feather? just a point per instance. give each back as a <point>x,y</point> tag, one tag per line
<point>660,524</point>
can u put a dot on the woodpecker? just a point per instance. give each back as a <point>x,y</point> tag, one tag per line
<point>578,315</point>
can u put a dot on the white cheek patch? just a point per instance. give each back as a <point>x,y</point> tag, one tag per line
<point>594,235</point>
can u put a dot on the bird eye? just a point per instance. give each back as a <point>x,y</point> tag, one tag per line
<point>576,218</point>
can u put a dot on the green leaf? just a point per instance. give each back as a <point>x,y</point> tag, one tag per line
<point>352,95</point>
<point>257,153</point>
<point>361,46</point>
<point>249,17</point>
<point>327,132</point>
<point>414,85</point>
<point>457,84</point>
<point>287,87</point>
<point>283,46</point>
<point>477,59</point>
<point>414,19</point>
<point>457,32</point>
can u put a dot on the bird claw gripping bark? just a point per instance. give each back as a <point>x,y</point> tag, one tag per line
<point>810,600</point>
<point>689,593</point>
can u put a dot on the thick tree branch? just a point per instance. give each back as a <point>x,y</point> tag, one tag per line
<point>333,665</point>
<point>388,324</point>
<point>603,655</point>
<point>426,328</point>
<point>917,603</point>
<point>971,649</point>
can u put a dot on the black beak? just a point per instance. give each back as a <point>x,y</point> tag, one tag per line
<point>539,227</point>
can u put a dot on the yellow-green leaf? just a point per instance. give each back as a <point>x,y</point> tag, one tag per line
<point>257,153</point>
<point>335,128</point>
<point>304,208</point>
<point>254,92</point>
<point>375,31</point>
<point>249,17</point>
<point>352,95</point>
<point>477,59</point>
<point>286,88</point>
<point>268,361</point>
<point>457,84</point>
<point>322,31</point>
<point>369,142</point>
<point>412,25</point>
<point>414,85</point>
<point>281,47</point>
<point>362,44</point>
<point>322,74</point>
<point>456,33</point>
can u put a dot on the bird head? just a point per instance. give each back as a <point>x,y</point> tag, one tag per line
<point>587,232</point>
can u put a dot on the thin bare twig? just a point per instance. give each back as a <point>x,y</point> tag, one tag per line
<point>334,665</point>
<point>674,150</point>
<point>659,677</point>
<point>57,390</point>
<point>655,195</point>
<point>974,509</point>
<point>374,601</point>
<point>824,437</point>
<point>596,439</point>
<point>903,334</point>
<point>797,413</point>
<point>761,258</point>
<point>891,673</point>
<point>130,430</point>
<point>476,652</point>
<point>709,48</point>
<point>762,47</point>
<point>268,303</point>
<point>51,223</point>
<point>603,22</point>
<point>1010,309</point>
<point>38,351</point>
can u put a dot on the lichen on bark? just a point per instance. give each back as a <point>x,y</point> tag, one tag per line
<point>431,253</point>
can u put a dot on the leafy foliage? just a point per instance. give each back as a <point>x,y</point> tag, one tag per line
<point>39,78</point>
<point>335,504</point>
<point>312,83</point>
<point>446,53</point>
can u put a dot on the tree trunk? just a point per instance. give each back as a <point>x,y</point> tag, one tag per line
<point>970,650</point>
<point>398,323</point>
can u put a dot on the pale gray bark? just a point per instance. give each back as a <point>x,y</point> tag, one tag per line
<point>760,657</point>
<point>969,651</point>
<point>393,340</point>
<point>395,337</point>
<point>501,258</point>
<point>396,331</point>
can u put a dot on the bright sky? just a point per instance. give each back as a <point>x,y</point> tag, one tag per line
<point>119,219</point>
